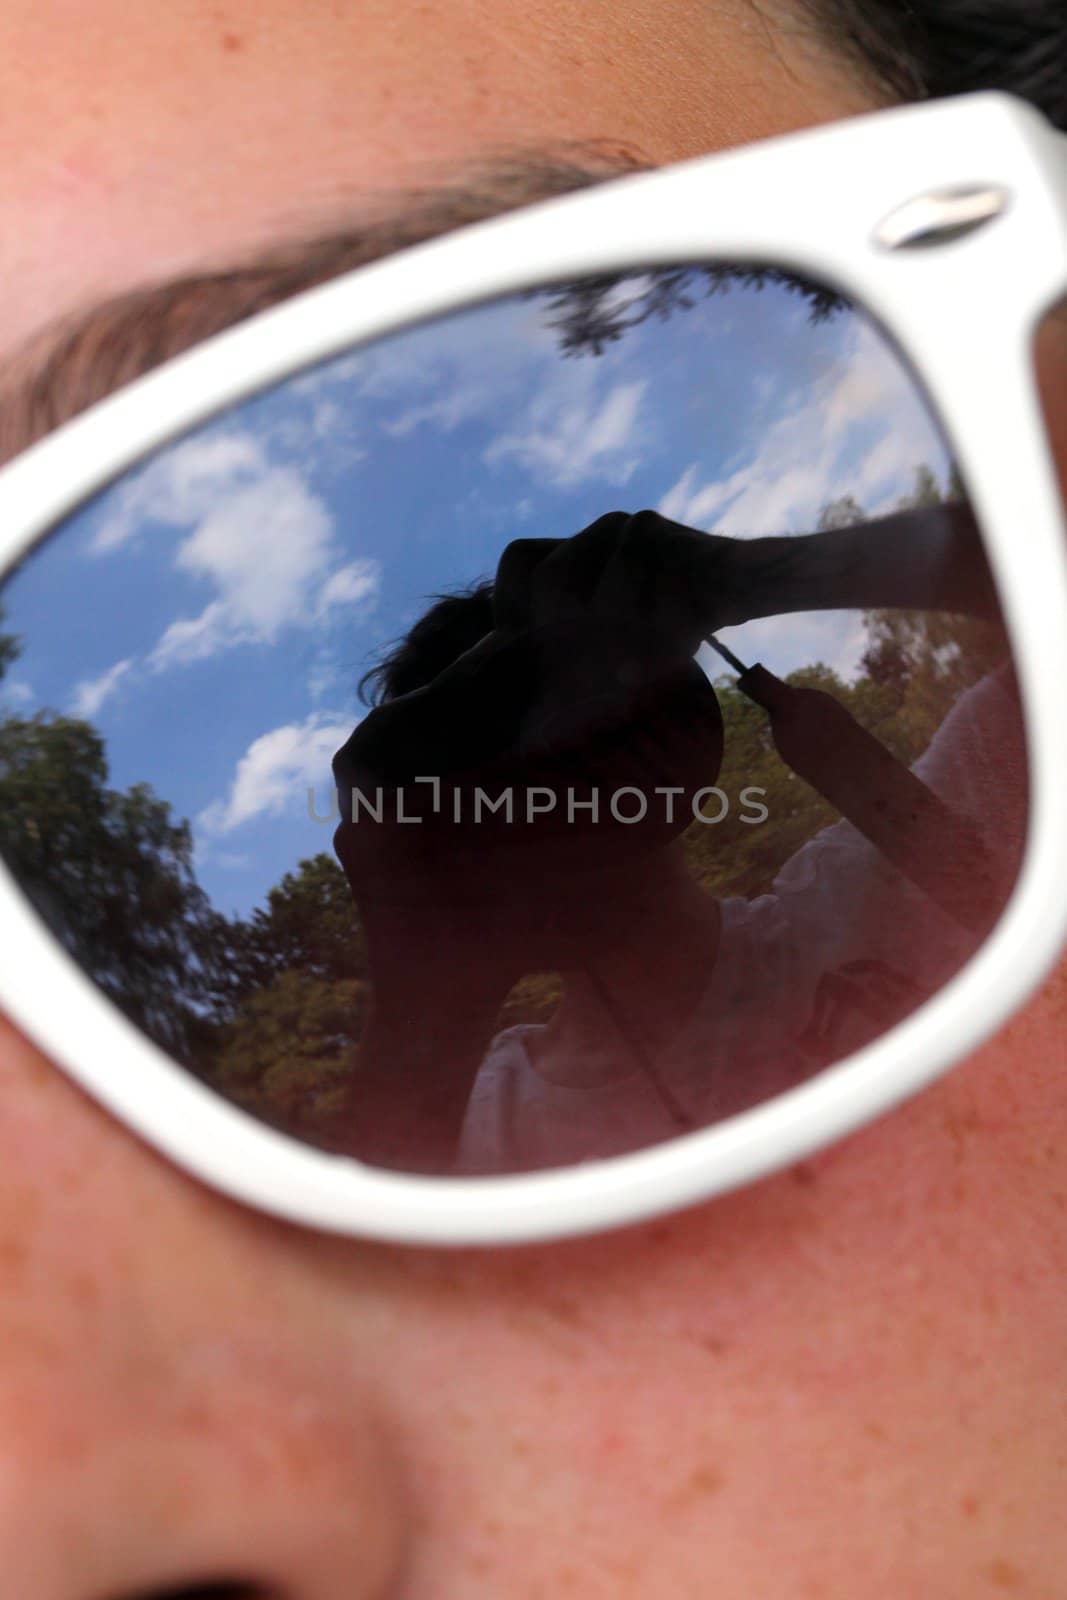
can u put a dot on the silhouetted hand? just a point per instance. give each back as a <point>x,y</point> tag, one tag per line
<point>641,570</point>
<point>584,688</point>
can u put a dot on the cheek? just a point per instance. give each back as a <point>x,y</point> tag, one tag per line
<point>101,1236</point>
<point>769,1384</point>
<point>773,1383</point>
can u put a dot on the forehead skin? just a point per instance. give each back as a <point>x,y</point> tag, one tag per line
<point>144,141</point>
<point>844,1381</point>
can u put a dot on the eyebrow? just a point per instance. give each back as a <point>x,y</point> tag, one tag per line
<point>89,353</point>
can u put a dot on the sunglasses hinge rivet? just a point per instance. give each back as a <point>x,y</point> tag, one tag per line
<point>942,216</point>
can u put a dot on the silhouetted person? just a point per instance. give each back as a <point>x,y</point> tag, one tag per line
<point>549,728</point>
<point>571,677</point>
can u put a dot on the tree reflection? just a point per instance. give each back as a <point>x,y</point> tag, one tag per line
<point>589,314</point>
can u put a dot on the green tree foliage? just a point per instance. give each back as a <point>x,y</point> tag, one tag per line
<point>285,1055</point>
<point>533,999</point>
<point>734,856</point>
<point>112,874</point>
<point>298,998</point>
<point>843,512</point>
<point>308,925</point>
<point>9,647</point>
<point>916,666</point>
<point>918,663</point>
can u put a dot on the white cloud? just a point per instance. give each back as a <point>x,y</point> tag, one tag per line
<point>481,367</point>
<point>681,497</point>
<point>342,369</point>
<point>436,358</point>
<point>861,432</point>
<point>566,439</point>
<point>786,644</point>
<point>321,429</point>
<point>192,638</point>
<point>263,547</point>
<point>277,770</point>
<point>16,694</point>
<point>267,550</point>
<point>431,375</point>
<point>181,485</point>
<point>354,585</point>
<point>255,533</point>
<point>92,693</point>
<point>456,405</point>
<point>689,501</point>
<point>325,676</point>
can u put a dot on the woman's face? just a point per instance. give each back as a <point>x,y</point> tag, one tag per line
<point>843,1381</point>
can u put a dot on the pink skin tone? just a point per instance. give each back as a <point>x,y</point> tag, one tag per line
<point>843,1381</point>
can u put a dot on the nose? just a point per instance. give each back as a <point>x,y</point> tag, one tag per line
<point>158,1511</point>
<point>189,1408</point>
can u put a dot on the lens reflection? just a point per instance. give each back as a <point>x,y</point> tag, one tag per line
<point>1050,363</point>
<point>689,757</point>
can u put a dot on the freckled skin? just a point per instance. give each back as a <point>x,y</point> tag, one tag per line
<point>844,1381</point>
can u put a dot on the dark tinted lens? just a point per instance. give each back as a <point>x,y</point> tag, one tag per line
<point>586,892</point>
<point>1050,360</point>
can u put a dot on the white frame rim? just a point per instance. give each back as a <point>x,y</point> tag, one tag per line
<point>811,201</point>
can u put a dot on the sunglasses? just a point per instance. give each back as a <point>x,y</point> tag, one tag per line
<point>566,721</point>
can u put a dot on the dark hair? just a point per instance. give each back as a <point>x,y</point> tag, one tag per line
<point>453,625</point>
<point>922,49</point>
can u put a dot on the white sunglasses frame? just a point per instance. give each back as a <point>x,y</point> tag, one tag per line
<point>814,202</point>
